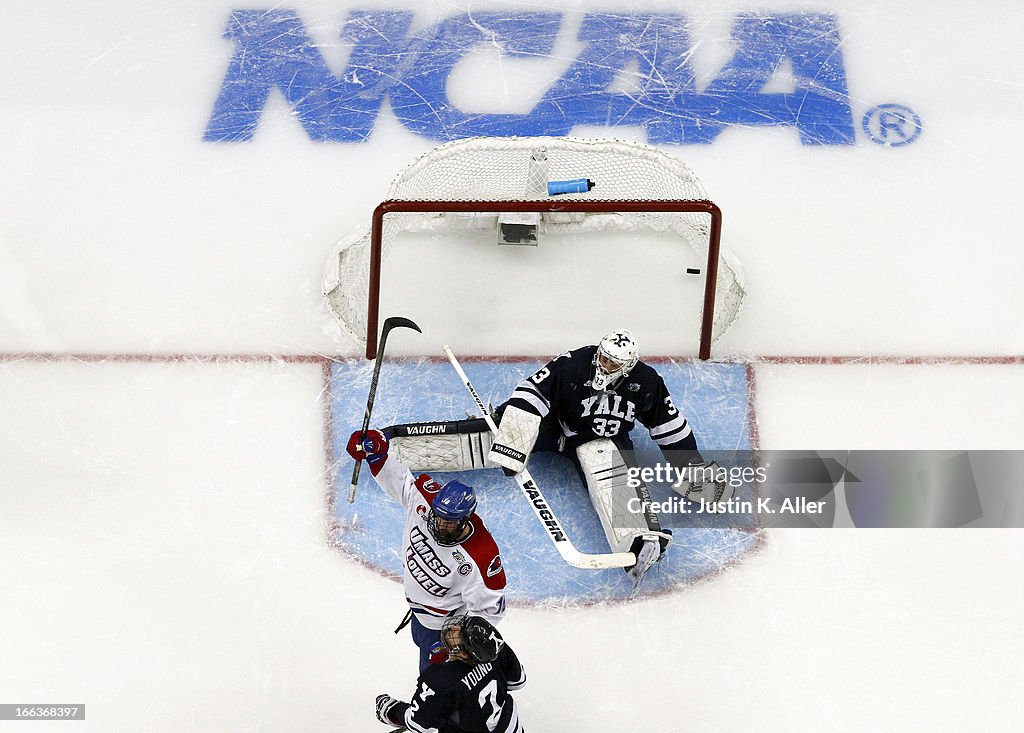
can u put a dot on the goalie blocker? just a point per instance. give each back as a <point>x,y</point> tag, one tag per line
<point>454,445</point>
<point>465,445</point>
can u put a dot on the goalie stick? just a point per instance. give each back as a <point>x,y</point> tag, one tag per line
<point>540,505</point>
<point>390,323</point>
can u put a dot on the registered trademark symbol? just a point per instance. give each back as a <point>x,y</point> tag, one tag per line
<point>892,125</point>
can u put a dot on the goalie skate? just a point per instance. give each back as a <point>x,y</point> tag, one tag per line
<point>647,556</point>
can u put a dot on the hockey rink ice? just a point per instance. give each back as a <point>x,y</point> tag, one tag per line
<point>174,396</point>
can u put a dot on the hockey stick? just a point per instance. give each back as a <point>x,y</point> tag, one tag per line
<point>390,323</point>
<point>540,505</point>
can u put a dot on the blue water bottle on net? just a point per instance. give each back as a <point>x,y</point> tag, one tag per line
<point>578,185</point>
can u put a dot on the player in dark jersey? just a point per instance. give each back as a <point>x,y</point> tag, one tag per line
<point>468,693</point>
<point>600,391</point>
<point>583,404</point>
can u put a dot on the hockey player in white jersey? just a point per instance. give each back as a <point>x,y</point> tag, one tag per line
<point>452,564</point>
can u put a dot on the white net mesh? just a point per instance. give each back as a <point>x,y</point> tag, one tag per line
<point>505,169</point>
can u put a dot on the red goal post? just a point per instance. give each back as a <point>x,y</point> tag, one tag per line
<point>476,183</point>
<point>554,205</point>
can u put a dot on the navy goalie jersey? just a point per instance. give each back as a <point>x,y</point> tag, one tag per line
<point>562,391</point>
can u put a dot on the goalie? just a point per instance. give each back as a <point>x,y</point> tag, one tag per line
<point>583,404</point>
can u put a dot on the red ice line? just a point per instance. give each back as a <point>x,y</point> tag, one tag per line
<point>891,359</point>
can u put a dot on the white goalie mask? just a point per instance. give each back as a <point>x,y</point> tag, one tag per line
<point>616,355</point>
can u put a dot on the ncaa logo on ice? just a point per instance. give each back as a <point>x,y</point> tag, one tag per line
<point>632,69</point>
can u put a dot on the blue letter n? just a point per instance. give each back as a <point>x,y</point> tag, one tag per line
<point>273,49</point>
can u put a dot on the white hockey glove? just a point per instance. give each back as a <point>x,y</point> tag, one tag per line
<point>705,482</point>
<point>385,704</point>
<point>516,435</point>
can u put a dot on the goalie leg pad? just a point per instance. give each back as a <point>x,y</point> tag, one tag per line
<point>452,445</point>
<point>516,436</point>
<point>624,509</point>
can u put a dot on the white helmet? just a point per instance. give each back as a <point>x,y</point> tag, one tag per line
<point>616,355</point>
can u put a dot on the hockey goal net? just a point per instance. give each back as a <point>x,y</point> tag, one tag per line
<point>555,193</point>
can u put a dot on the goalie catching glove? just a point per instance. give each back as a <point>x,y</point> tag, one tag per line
<point>705,482</point>
<point>370,446</point>
<point>515,438</point>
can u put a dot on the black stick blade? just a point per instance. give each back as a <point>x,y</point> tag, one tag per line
<point>398,322</point>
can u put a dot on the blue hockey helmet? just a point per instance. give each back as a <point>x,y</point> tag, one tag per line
<point>453,505</point>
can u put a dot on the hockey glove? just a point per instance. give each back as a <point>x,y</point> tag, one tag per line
<point>516,435</point>
<point>386,706</point>
<point>707,483</point>
<point>371,447</point>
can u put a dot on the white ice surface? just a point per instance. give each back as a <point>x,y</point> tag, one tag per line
<point>162,546</point>
<point>165,563</point>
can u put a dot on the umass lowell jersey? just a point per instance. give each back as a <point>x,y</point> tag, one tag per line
<point>456,697</point>
<point>561,391</point>
<point>466,577</point>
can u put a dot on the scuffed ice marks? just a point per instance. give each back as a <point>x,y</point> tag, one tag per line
<point>630,69</point>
